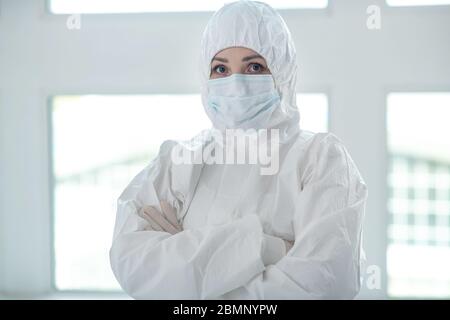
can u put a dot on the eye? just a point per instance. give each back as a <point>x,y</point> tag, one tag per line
<point>220,69</point>
<point>255,68</point>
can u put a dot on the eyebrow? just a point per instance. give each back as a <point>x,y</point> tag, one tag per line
<point>243,59</point>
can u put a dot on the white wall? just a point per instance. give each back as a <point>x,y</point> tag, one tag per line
<point>145,53</point>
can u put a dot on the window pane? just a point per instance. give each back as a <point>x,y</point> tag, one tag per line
<point>127,6</point>
<point>418,256</point>
<point>100,142</point>
<point>401,3</point>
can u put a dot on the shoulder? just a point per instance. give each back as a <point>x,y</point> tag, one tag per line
<point>175,156</point>
<point>323,154</point>
<point>168,147</point>
<point>313,145</point>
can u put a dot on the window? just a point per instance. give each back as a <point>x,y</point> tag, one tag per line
<point>404,3</point>
<point>100,142</point>
<point>128,6</point>
<point>418,256</point>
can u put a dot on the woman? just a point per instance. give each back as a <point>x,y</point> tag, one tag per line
<point>225,231</point>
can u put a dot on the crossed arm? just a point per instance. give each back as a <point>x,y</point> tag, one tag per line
<point>166,220</point>
<point>232,261</point>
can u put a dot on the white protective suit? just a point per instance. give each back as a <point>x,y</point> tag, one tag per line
<point>317,198</point>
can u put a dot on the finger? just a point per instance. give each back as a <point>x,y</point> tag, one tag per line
<point>158,218</point>
<point>288,244</point>
<point>169,211</point>
<point>154,225</point>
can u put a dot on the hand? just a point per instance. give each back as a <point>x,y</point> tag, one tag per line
<point>274,248</point>
<point>289,244</point>
<point>166,221</point>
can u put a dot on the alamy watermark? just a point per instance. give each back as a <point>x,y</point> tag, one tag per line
<point>372,277</point>
<point>373,21</point>
<point>73,22</point>
<point>234,146</point>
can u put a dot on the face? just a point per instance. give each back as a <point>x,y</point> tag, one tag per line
<point>237,60</point>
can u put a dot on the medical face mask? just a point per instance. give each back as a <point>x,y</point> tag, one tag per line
<point>242,101</point>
